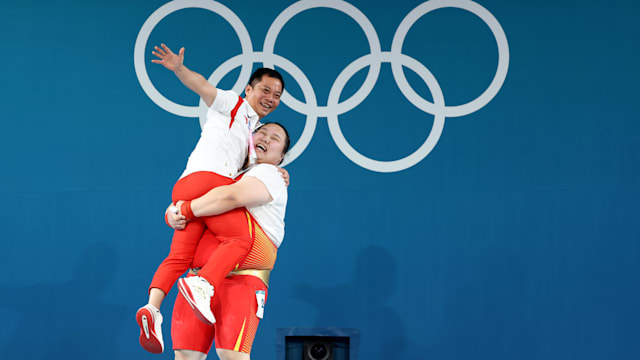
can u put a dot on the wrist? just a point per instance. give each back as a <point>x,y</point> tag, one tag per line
<point>185,209</point>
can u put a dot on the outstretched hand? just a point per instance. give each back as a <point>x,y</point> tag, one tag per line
<point>167,57</point>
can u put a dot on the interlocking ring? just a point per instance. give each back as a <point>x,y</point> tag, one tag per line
<point>334,108</point>
<point>150,24</point>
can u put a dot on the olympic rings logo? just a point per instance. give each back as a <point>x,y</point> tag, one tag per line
<point>334,107</point>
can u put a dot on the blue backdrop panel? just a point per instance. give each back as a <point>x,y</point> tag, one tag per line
<point>483,205</point>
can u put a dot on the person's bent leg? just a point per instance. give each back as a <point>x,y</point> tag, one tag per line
<point>181,254</point>
<point>149,317</point>
<point>184,242</point>
<point>235,232</point>
<point>183,248</point>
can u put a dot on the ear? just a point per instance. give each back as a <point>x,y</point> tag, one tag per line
<point>247,89</point>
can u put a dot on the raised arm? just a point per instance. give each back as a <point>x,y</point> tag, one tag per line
<point>249,191</point>
<point>194,81</point>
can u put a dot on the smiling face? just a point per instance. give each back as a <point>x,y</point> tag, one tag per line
<point>264,96</point>
<point>270,141</point>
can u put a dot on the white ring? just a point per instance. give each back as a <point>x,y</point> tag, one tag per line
<point>143,38</point>
<point>498,33</point>
<point>351,11</point>
<point>416,156</point>
<point>334,108</point>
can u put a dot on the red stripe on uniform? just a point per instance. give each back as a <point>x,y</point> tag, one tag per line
<point>235,111</point>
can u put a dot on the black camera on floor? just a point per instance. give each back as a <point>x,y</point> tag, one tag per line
<point>318,349</point>
<point>317,343</point>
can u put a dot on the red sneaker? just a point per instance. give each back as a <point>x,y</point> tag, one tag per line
<point>150,321</point>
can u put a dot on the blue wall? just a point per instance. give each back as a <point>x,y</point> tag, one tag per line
<point>516,237</point>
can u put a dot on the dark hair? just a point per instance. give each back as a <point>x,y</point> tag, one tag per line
<point>258,74</point>
<point>287,140</point>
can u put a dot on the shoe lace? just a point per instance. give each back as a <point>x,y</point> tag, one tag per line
<point>204,288</point>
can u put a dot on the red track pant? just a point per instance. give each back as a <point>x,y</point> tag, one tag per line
<point>231,229</point>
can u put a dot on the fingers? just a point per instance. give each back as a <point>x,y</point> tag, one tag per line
<point>179,225</point>
<point>176,221</point>
<point>159,52</point>
<point>176,218</point>
<point>161,57</point>
<point>285,176</point>
<point>173,213</point>
<point>163,52</point>
<point>166,48</point>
